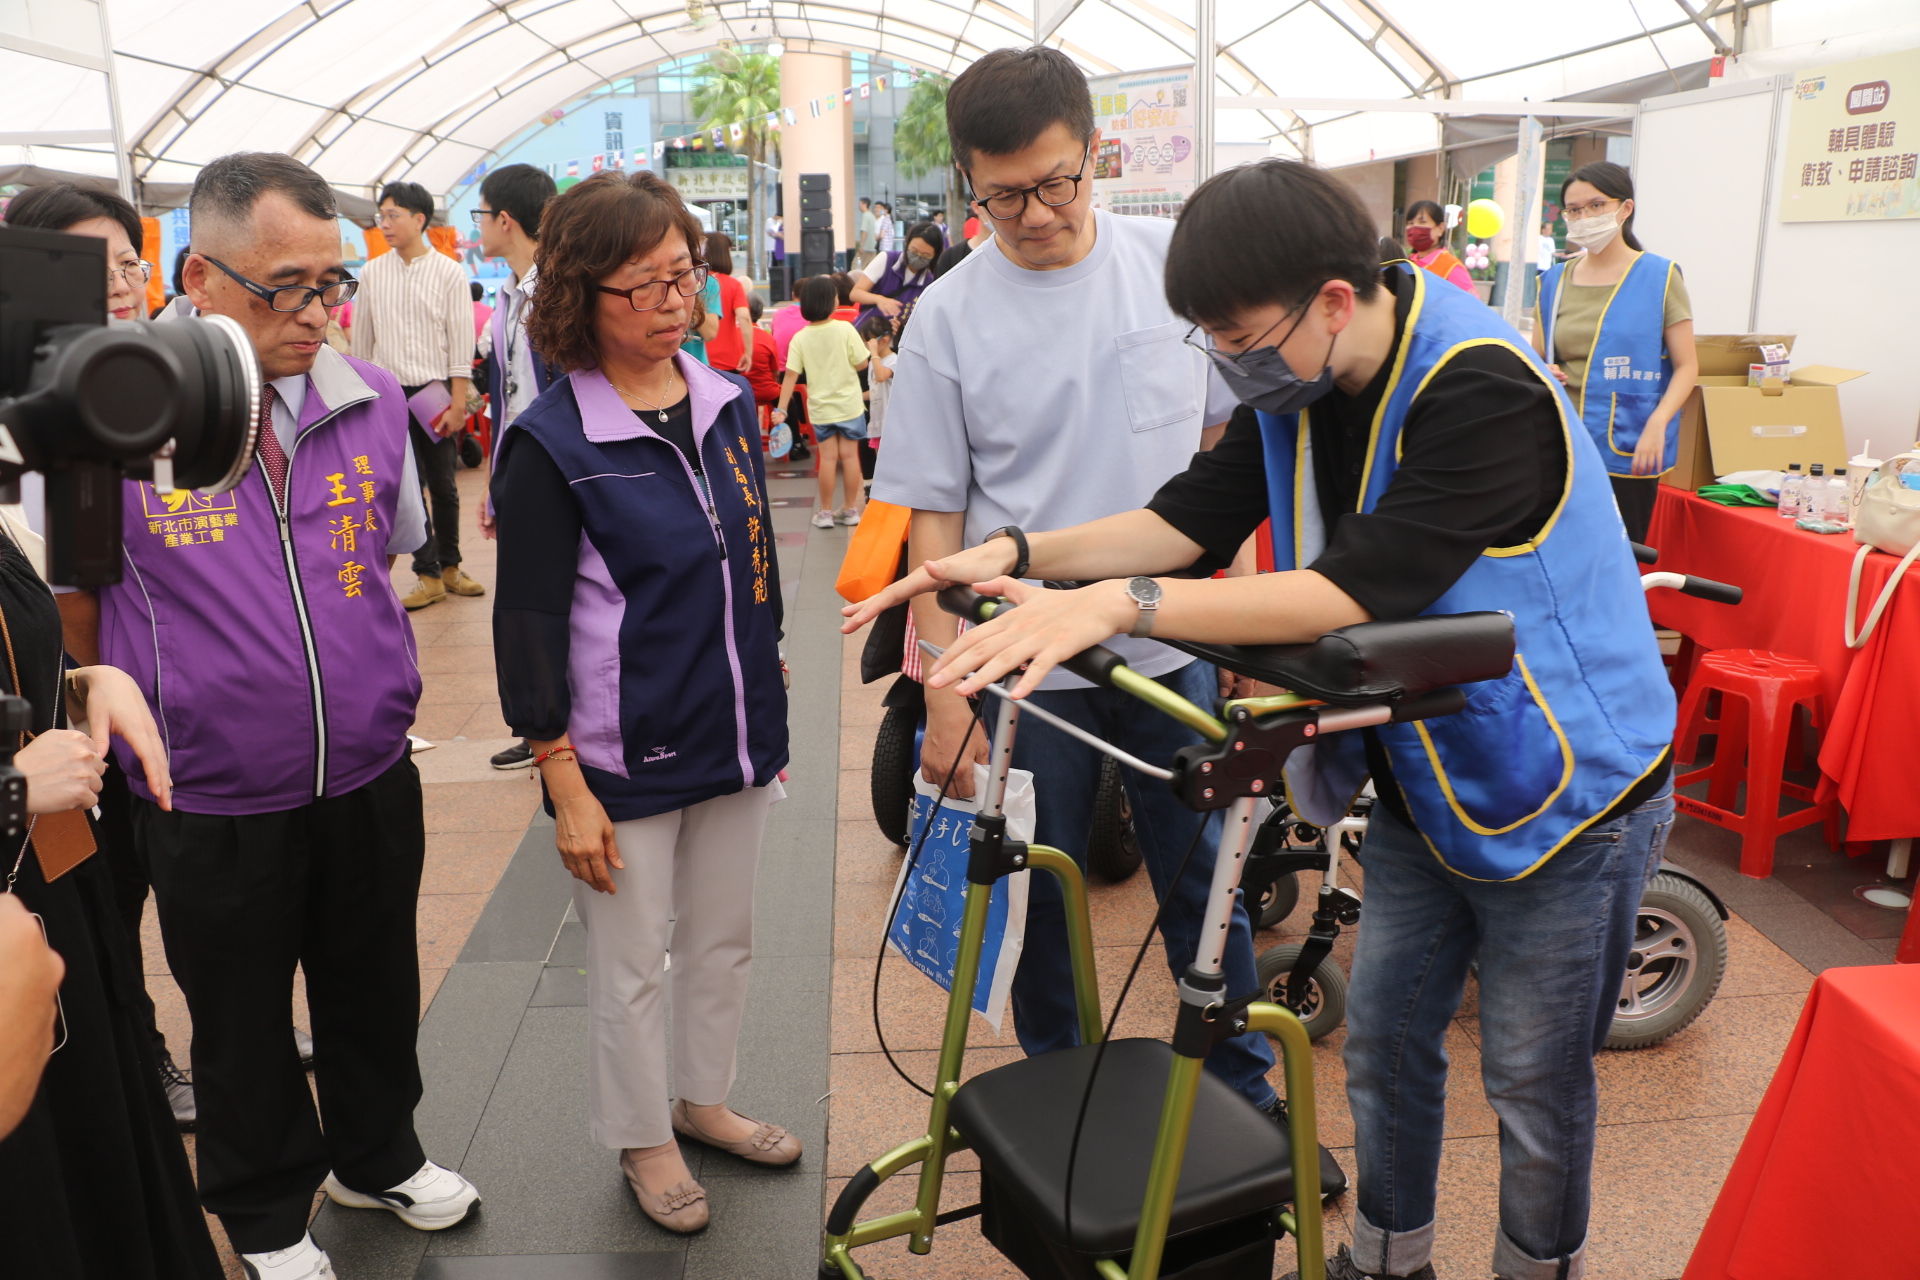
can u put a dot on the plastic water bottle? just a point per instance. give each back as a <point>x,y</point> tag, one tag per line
<point>1792,490</point>
<point>1836,501</point>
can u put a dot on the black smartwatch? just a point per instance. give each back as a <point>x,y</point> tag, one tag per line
<point>1023,556</point>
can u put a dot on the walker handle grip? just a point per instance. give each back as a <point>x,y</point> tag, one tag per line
<point>1096,664</point>
<point>1643,553</point>
<point>1708,589</point>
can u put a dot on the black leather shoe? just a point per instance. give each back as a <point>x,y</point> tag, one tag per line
<point>1333,1179</point>
<point>179,1087</point>
<point>1341,1267</point>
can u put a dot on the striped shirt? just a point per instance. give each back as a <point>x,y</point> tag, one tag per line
<point>415,319</point>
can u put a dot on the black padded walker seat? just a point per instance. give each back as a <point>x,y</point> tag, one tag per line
<point>1020,1118</point>
<point>1376,661</point>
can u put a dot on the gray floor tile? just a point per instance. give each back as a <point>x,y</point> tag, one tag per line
<point>463,1041</point>
<point>570,944</point>
<point>525,909</point>
<point>560,984</point>
<point>565,1266</point>
<point>756,1237</point>
<point>1811,936</point>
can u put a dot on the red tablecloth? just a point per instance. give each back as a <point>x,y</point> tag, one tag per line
<point>1796,599</point>
<point>1824,1178</point>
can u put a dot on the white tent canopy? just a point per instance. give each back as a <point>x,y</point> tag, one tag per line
<point>368,91</point>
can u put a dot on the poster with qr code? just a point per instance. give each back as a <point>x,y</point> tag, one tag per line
<point>1146,166</point>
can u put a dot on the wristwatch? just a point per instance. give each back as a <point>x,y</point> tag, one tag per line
<point>1023,558</point>
<point>1145,593</point>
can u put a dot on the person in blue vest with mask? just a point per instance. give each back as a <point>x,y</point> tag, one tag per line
<point>1415,457</point>
<point>890,282</point>
<point>1617,326</point>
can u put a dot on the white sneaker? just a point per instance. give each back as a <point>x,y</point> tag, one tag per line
<point>304,1261</point>
<point>849,516</point>
<point>823,519</point>
<point>431,1200</point>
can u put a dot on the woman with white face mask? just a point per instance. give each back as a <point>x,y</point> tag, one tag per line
<point>1617,325</point>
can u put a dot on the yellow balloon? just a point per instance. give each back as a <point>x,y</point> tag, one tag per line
<point>1484,219</point>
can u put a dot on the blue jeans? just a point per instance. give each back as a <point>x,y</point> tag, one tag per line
<point>1551,950</point>
<point>1065,775</point>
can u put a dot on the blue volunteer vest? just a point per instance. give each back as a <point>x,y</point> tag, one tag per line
<point>1628,367</point>
<point>1585,714</point>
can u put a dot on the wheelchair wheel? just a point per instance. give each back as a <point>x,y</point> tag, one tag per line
<point>1274,902</point>
<point>1113,848</point>
<point>470,454</point>
<point>891,782</point>
<point>1325,1007</point>
<point>1679,956</point>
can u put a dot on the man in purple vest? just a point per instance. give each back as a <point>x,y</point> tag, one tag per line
<point>280,665</point>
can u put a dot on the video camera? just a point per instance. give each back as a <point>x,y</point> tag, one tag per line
<point>86,404</point>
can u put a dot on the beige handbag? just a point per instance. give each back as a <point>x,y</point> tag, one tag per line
<point>1886,518</point>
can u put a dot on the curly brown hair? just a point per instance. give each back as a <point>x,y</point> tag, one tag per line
<point>586,233</point>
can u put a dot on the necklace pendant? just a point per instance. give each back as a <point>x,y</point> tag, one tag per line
<point>663,415</point>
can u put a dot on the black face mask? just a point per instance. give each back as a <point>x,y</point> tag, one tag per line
<point>918,262</point>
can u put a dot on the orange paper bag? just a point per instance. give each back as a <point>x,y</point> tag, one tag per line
<point>873,554</point>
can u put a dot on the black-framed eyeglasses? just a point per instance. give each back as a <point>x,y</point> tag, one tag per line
<point>1005,206</point>
<point>293,297</point>
<point>652,294</point>
<point>483,213</point>
<point>1228,362</point>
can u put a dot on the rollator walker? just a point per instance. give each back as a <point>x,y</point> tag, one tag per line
<point>1123,1159</point>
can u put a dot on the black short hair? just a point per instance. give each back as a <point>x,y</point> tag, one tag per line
<point>1268,232</point>
<point>843,287</point>
<point>756,306</point>
<point>1429,207</point>
<point>410,196</point>
<point>226,191</point>
<point>818,298</point>
<point>719,252</point>
<point>877,325</point>
<point>476,290</point>
<point>927,231</point>
<point>1008,98</point>
<point>55,206</point>
<point>520,191</point>
<point>1609,180</point>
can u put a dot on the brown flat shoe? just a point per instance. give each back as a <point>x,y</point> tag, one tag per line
<point>768,1144</point>
<point>682,1208</point>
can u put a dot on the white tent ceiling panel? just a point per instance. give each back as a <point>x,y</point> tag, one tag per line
<point>624,55</point>
<point>571,20</point>
<point>65,24</point>
<point>43,95</point>
<point>1374,135</point>
<point>1497,34</point>
<point>506,116</point>
<point>190,33</point>
<point>244,119</point>
<point>356,45</point>
<point>445,164</point>
<point>95,162</point>
<point>145,89</point>
<point>362,153</point>
<point>518,76</point>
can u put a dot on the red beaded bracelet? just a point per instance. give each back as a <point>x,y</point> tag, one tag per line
<point>557,753</point>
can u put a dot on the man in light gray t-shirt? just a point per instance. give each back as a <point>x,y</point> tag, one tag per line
<point>1043,382</point>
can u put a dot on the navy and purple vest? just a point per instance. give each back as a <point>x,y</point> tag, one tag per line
<point>893,284</point>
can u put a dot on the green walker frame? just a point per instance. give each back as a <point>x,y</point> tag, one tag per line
<point>1240,761</point>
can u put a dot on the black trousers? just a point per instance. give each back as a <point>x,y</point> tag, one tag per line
<point>437,458</point>
<point>331,886</point>
<point>127,864</point>
<point>1634,496</point>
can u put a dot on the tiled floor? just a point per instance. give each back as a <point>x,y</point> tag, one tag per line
<point>501,1043</point>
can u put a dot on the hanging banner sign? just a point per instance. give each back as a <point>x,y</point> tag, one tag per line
<point>1145,164</point>
<point>704,185</point>
<point>1853,142</point>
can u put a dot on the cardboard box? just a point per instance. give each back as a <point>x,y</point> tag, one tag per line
<point>1728,425</point>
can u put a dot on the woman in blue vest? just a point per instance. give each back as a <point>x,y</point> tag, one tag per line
<point>890,281</point>
<point>636,631</point>
<point>1415,458</point>
<point>1617,326</point>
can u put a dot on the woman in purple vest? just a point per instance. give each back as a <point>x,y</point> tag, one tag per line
<point>636,637</point>
<point>890,281</point>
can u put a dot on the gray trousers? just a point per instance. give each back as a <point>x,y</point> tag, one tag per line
<point>688,885</point>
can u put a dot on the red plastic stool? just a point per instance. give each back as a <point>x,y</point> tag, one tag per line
<point>1758,693</point>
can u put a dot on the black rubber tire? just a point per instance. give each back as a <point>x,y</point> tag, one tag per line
<point>891,783</point>
<point>1679,956</point>
<point>1113,847</point>
<point>1276,902</point>
<point>1326,1006</point>
<point>470,455</point>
